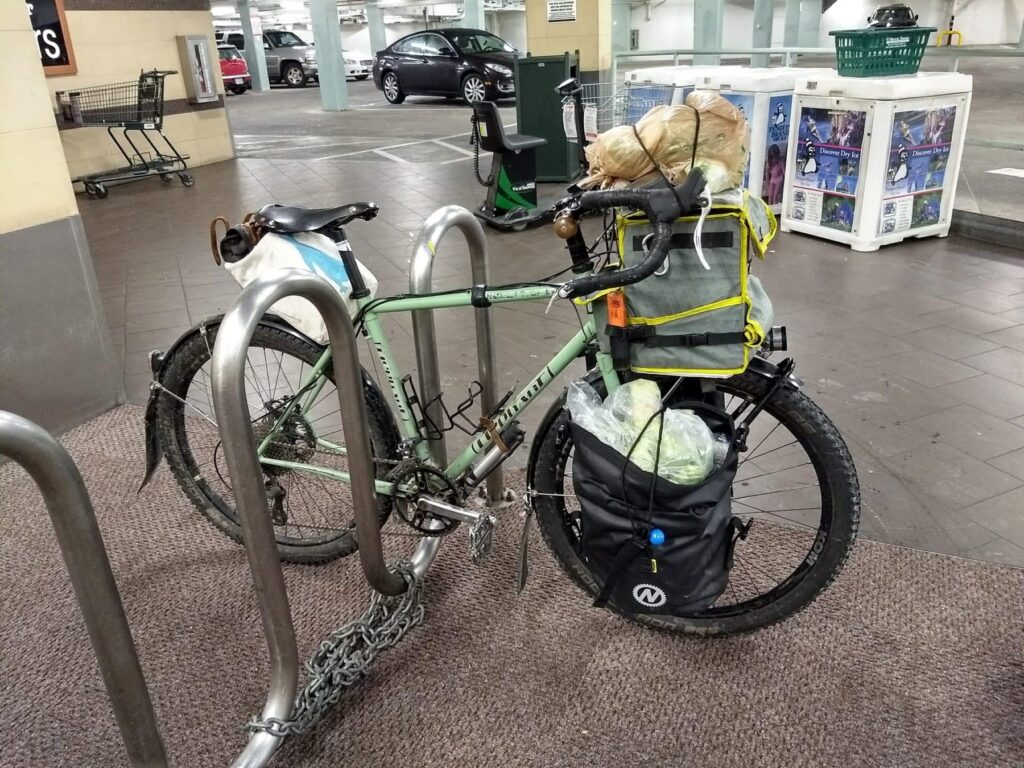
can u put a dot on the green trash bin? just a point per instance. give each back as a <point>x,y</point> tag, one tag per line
<point>539,112</point>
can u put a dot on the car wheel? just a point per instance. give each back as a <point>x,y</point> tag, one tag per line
<point>293,76</point>
<point>392,89</point>
<point>473,88</point>
<point>361,77</point>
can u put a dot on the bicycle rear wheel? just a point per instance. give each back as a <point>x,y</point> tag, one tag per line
<point>313,514</point>
<point>796,483</point>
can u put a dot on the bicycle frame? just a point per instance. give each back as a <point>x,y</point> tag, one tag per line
<point>312,384</point>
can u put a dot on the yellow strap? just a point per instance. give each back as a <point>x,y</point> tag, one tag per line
<point>730,302</point>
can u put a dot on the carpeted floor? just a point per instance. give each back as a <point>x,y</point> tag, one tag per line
<point>910,659</point>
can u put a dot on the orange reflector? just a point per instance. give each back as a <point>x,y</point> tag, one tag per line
<point>617,309</point>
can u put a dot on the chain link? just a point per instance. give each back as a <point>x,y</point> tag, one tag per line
<point>481,538</point>
<point>346,655</point>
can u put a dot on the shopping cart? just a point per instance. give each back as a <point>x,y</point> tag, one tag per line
<point>606,105</point>
<point>137,105</point>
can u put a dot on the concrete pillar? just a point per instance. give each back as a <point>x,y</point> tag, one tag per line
<point>810,22</point>
<point>762,37</point>
<point>255,56</point>
<point>708,16</point>
<point>473,14</point>
<point>375,21</point>
<point>792,34</point>
<point>621,24</point>
<point>323,14</point>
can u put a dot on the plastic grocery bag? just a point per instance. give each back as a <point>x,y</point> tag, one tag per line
<point>628,421</point>
<point>309,251</point>
<point>667,134</point>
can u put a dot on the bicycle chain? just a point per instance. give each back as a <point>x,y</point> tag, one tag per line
<point>347,654</point>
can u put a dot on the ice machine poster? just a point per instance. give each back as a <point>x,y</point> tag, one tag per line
<point>745,104</point>
<point>827,167</point>
<point>776,148</point>
<point>918,154</point>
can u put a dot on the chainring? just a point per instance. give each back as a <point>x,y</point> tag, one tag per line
<point>413,479</point>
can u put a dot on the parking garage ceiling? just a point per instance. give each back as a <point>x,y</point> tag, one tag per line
<point>285,12</point>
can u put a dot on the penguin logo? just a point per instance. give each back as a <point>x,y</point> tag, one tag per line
<point>810,162</point>
<point>899,173</point>
<point>779,118</point>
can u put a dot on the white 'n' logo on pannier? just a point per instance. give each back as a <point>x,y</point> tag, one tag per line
<point>649,595</point>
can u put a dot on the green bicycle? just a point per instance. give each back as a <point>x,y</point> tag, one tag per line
<point>796,486</point>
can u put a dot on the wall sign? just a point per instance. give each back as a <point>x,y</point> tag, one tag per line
<point>561,10</point>
<point>52,36</point>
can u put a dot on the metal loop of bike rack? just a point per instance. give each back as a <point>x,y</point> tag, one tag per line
<point>85,556</point>
<point>425,336</point>
<point>239,444</point>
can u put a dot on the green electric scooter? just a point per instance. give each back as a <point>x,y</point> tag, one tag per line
<point>511,203</point>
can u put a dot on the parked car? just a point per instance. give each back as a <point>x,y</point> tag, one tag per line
<point>470,63</point>
<point>898,15</point>
<point>233,69</point>
<point>290,59</point>
<point>358,65</point>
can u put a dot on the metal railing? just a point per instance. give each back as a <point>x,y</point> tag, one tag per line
<point>424,334</point>
<point>239,445</point>
<point>85,557</point>
<point>790,55</point>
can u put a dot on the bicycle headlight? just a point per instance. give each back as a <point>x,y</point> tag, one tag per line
<point>500,69</point>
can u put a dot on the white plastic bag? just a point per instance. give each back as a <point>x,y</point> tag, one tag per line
<point>309,251</point>
<point>627,422</point>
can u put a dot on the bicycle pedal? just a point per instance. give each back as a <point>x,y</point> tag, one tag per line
<point>481,537</point>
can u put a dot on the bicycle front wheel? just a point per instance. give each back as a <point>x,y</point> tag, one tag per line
<point>313,513</point>
<point>796,484</point>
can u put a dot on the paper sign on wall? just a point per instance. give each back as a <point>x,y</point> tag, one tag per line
<point>561,10</point>
<point>589,121</point>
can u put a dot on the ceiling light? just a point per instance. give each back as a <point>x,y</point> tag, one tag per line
<point>223,10</point>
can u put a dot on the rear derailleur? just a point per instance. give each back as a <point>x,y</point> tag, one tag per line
<point>431,504</point>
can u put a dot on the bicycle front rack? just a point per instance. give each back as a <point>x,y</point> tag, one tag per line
<point>85,556</point>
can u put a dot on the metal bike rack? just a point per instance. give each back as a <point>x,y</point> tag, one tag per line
<point>239,445</point>
<point>425,336</point>
<point>85,556</point>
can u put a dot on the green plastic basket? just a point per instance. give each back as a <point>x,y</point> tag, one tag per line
<point>876,52</point>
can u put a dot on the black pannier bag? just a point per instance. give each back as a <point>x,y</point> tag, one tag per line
<point>621,504</point>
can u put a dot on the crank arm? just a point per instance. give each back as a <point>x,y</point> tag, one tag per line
<point>449,511</point>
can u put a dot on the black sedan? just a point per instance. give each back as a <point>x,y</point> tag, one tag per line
<point>469,63</point>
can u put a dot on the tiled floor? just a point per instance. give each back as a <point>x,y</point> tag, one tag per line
<point>916,351</point>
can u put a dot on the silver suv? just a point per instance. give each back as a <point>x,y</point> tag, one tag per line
<point>289,59</point>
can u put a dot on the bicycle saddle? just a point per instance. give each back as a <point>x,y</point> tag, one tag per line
<point>285,219</point>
